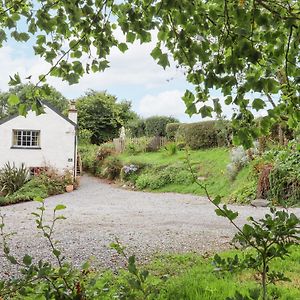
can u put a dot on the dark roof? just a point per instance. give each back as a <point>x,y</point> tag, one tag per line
<point>44,103</point>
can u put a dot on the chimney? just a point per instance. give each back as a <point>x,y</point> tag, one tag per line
<point>72,112</point>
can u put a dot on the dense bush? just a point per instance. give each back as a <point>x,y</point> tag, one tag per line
<point>85,136</point>
<point>284,178</point>
<point>111,168</point>
<point>28,192</point>
<point>171,130</point>
<point>201,135</point>
<point>136,128</point>
<point>171,148</point>
<point>156,126</point>
<point>47,183</point>
<point>12,178</point>
<point>158,177</point>
<point>136,145</point>
<point>88,155</point>
<point>105,150</point>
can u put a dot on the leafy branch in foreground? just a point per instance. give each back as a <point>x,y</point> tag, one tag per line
<point>139,286</point>
<point>269,238</point>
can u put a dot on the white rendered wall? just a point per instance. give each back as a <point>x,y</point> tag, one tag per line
<point>56,141</point>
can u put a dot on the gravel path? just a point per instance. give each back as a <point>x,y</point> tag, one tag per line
<point>145,222</point>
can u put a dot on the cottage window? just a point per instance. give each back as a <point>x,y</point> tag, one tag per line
<point>26,138</point>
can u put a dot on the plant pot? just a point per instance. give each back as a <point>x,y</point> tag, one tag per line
<point>69,188</point>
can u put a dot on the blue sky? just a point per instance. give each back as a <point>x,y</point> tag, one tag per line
<point>133,76</point>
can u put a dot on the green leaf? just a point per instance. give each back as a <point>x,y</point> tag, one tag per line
<point>22,109</point>
<point>123,47</point>
<point>164,60</point>
<point>13,100</point>
<point>258,104</point>
<point>217,200</point>
<point>59,207</point>
<point>56,252</point>
<point>130,37</point>
<point>188,97</point>
<point>156,53</point>
<point>27,260</point>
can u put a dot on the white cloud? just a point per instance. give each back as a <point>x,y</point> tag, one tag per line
<point>166,103</point>
<point>134,68</point>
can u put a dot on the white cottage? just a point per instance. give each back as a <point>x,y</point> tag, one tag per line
<point>38,141</point>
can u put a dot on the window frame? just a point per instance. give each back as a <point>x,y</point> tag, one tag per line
<point>28,138</point>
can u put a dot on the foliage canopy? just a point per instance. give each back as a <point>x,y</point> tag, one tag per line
<point>236,46</point>
<point>100,113</point>
<point>24,92</point>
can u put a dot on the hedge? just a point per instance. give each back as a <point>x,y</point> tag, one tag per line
<point>156,125</point>
<point>171,130</point>
<point>201,135</point>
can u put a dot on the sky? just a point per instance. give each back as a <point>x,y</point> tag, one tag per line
<point>133,75</point>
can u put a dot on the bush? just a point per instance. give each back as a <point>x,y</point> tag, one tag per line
<point>136,128</point>
<point>88,155</point>
<point>111,168</point>
<point>171,130</point>
<point>55,183</point>
<point>12,178</point>
<point>136,145</point>
<point>171,148</point>
<point>161,176</point>
<point>156,126</point>
<point>201,135</point>
<point>28,192</point>
<point>105,150</point>
<point>85,136</point>
<point>47,183</point>
<point>284,179</point>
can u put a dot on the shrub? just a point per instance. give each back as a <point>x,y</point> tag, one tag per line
<point>85,136</point>
<point>156,126</point>
<point>55,182</point>
<point>245,194</point>
<point>136,145</point>
<point>171,148</point>
<point>239,158</point>
<point>161,176</point>
<point>198,135</point>
<point>171,130</point>
<point>28,192</point>
<point>105,150</point>
<point>88,155</point>
<point>136,128</point>
<point>285,179</point>
<point>111,168</point>
<point>12,178</point>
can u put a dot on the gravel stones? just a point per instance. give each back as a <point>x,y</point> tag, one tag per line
<point>146,223</point>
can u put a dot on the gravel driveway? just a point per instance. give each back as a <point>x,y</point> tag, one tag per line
<point>145,222</point>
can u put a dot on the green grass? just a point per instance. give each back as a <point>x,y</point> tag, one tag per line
<point>210,164</point>
<point>192,277</point>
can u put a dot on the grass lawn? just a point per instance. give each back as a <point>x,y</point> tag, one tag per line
<point>192,277</point>
<point>210,164</point>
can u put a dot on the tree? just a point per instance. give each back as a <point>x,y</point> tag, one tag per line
<point>156,125</point>
<point>24,93</point>
<point>237,46</point>
<point>100,113</point>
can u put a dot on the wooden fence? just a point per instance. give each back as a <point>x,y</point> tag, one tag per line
<point>151,144</point>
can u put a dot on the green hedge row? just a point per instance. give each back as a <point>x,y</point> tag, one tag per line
<point>201,135</point>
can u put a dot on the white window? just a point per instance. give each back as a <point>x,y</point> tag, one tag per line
<point>26,138</point>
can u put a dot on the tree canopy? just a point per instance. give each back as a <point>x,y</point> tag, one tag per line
<point>24,92</point>
<point>247,49</point>
<point>102,115</point>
